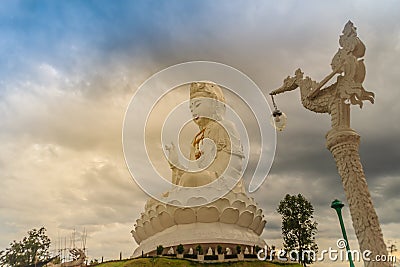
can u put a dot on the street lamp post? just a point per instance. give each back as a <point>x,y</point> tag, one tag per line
<point>341,140</point>
<point>338,205</point>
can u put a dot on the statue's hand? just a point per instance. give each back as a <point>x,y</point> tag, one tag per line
<point>172,155</point>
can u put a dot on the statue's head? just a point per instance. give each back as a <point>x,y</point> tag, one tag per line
<point>206,102</point>
<point>299,74</point>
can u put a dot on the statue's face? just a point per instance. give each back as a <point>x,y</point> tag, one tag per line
<point>203,109</point>
<point>337,61</point>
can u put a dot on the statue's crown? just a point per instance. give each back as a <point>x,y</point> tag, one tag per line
<point>206,89</point>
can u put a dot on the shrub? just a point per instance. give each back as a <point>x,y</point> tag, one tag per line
<point>238,249</point>
<point>219,249</point>
<point>199,250</point>
<point>160,249</point>
<point>180,249</point>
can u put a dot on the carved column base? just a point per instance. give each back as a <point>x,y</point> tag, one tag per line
<point>343,144</point>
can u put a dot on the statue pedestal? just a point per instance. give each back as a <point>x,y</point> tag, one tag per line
<point>232,220</point>
<point>216,233</point>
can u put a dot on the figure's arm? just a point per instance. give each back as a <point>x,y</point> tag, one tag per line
<point>173,160</point>
<point>336,70</point>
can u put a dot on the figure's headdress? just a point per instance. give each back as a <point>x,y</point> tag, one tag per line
<point>206,89</point>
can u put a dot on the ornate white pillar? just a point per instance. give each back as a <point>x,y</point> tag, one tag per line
<point>343,145</point>
<point>342,141</point>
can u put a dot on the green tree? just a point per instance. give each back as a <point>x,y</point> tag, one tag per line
<point>180,249</point>
<point>30,250</point>
<point>298,227</point>
<point>238,249</point>
<point>219,249</point>
<point>199,249</point>
<point>160,250</point>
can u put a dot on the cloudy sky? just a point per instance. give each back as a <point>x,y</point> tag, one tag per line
<point>68,70</point>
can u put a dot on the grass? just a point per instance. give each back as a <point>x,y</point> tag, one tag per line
<point>171,262</point>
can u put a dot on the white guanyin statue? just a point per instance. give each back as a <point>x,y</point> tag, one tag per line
<point>208,204</point>
<point>207,105</point>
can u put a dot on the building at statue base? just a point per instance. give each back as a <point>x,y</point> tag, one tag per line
<point>229,221</point>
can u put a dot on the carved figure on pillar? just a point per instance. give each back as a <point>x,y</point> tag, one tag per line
<point>343,141</point>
